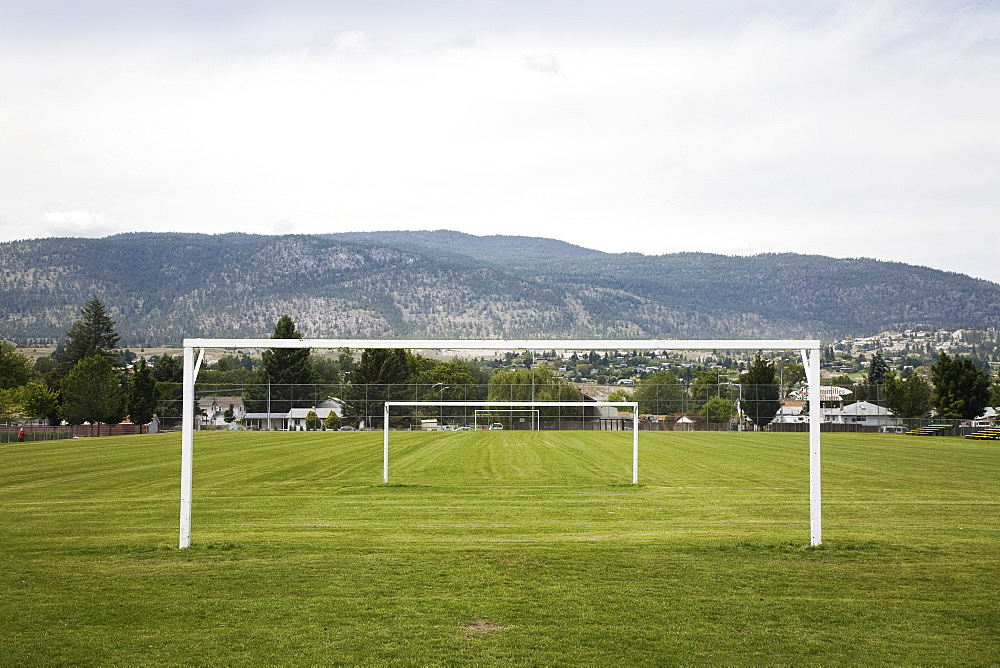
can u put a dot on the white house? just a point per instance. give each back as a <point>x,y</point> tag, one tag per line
<point>862,413</point>
<point>987,419</point>
<point>297,417</point>
<point>275,421</point>
<point>791,411</point>
<point>214,409</point>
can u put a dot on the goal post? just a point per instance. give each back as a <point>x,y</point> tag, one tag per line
<point>511,404</point>
<point>809,348</point>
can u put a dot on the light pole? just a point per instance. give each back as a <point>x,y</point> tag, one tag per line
<point>739,405</point>
<point>441,402</point>
<point>268,400</point>
<point>533,426</point>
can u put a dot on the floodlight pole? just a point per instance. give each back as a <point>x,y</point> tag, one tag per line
<point>739,405</point>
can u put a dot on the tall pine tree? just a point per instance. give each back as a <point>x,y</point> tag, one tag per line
<point>142,394</point>
<point>760,400</point>
<point>961,389</point>
<point>381,375</point>
<point>93,334</point>
<point>877,370</point>
<point>286,374</point>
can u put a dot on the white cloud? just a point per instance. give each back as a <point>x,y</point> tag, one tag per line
<point>546,63</point>
<point>75,224</point>
<point>352,41</point>
<point>283,226</point>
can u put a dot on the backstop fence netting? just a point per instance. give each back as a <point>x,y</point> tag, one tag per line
<point>662,407</point>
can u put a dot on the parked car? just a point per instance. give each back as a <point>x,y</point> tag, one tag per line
<point>347,428</point>
<point>496,425</point>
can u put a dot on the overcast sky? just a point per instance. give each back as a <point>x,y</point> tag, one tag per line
<point>838,128</point>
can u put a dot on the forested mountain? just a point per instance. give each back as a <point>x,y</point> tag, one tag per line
<point>161,288</point>
<point>506,251</point>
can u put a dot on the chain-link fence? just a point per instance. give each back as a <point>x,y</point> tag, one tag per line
<point>723,406</point>
<point>11,433</point>
<point>662,407</point>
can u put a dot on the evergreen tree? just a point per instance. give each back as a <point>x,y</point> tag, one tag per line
<point>346,360</point>
<point>43,365</point>
<point>327,371</point>
<point>283,373</point>
<point>92,392</point>
<point>877,370</point>
<point>760,393</point>
<point>142,394</point>
<point>995,395</point>
<point>168,369</point>
<point>332,422</point>
<point>93,334</point>
<point>380,375</point>
<point>961,389</point>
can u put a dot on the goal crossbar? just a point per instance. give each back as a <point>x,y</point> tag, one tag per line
<point>810,350</point>
<point>510,404</point>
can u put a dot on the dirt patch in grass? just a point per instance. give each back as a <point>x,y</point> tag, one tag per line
<point>482,627</point>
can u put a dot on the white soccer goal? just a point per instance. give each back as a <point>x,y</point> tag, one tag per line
<point>810,349</point>
<point>533,412</point>
<point>553,404</point>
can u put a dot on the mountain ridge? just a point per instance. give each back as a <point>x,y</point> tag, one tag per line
<point>162,287</point>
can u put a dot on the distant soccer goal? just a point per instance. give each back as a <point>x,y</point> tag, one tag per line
<point>511,404</point>
<point>488,414</point>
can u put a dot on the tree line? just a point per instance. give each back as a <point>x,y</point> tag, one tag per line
<point>87,380</point>
<point>83,382</point>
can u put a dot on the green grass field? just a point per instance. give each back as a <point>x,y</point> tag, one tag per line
<point>500,547</point>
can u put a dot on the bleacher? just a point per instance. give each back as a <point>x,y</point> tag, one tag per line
<point>929,430</point>
<point>987,434</point>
